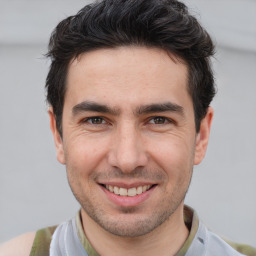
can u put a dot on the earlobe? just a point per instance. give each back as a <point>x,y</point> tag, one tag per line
<point>203,137</point>
<point>56,136</point>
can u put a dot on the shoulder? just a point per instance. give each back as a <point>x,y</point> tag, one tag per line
<point>218,245</point>
<point>34,243</point>
<point>242,248</point>
<point>20,245</point>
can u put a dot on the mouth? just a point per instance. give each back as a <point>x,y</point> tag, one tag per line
<point>128,192</point>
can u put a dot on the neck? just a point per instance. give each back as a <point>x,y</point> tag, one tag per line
<point>167,238</point>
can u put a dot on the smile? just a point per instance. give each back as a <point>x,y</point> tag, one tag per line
<point>128,192</point>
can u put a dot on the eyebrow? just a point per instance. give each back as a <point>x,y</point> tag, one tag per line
<point>141,110</point>
<point>93,107</point>
<point>162,107</point>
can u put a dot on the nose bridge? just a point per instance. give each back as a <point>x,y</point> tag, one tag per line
<point>128,152</point>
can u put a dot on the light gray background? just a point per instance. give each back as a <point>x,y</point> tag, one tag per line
<point>33,189</point>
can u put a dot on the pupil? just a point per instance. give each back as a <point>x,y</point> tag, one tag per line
<point>159,120</point>
<point>96,120</point>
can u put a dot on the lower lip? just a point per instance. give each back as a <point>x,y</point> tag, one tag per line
<point>128,201</point>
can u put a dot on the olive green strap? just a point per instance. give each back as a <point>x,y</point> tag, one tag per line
<point>242,248</point>
<point>42,242</point>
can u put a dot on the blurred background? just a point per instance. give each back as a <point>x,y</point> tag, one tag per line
<point>33,189</point>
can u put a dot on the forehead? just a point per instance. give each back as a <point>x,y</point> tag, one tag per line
<point>126,75</point>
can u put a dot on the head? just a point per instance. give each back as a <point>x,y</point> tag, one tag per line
<point>129,87</point>
<point>165,24</point>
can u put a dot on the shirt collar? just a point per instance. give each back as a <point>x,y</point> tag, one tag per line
<point>190,218</point>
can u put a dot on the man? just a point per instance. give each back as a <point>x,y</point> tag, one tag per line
<point>129,89</point>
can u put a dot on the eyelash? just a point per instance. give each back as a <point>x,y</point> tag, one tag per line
<point>89,120</point>
<point>165,119</point>
<point>103,121</point>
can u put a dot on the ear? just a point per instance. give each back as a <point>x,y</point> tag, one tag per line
<point>203,137</point>
<point>56,136</point>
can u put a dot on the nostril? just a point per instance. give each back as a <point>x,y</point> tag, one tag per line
<point>127,155</point>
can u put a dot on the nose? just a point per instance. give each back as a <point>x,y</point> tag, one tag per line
<point>127,150</point>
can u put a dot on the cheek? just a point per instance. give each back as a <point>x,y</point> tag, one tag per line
<point>84,156</point>
<point>173,155</point>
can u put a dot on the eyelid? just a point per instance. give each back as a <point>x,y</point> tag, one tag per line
<point>85,120</point>
<point>169,120</point>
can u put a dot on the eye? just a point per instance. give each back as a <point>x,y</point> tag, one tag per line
<point>159,120</point>
<point>95,120</point>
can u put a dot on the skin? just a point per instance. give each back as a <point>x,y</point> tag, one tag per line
<point>136,142</point>
<point>20,245</point>
<point>113,134</point>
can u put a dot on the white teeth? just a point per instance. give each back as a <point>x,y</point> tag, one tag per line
<point>144,188</point>
<point>139,190</point>
<point>128,192</point>
<point>132,192</point>
<point>116,190</point>
<point>110,188</point>
<point>123,192</point>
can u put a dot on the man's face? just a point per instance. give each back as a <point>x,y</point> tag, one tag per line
<point>129,141</point>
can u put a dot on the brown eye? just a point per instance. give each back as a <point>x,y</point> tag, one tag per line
<point>95,120</point>
<point>158,120</point>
